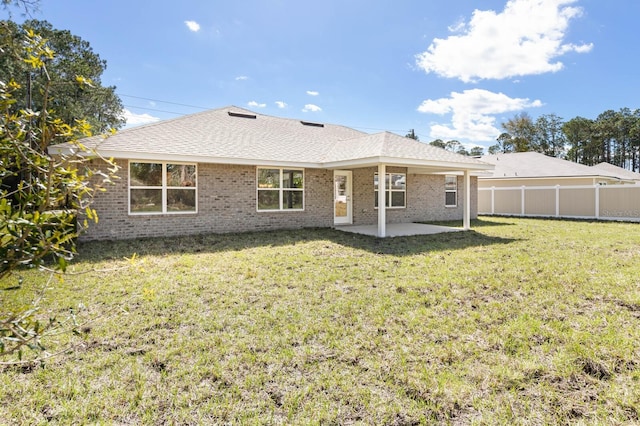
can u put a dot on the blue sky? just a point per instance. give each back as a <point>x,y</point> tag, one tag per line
<point>451,69</point>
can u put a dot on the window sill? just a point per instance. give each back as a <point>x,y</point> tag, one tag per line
<point>393,208</point>
<point>161,213</point>
<point>280,211</point>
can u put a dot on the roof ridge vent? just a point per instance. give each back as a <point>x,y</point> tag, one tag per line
<point>239,114</point>
<point>309,123</point>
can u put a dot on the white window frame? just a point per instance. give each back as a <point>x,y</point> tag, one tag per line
<point>280,189</point>
<point>389,189</point>
<point>162,187</point>
<point>451,179</point>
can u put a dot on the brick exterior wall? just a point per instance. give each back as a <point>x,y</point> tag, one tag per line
<point>227,203</point>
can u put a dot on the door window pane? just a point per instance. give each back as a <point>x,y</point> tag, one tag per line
<point>340,196</point>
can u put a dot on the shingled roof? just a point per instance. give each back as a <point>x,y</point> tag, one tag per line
<point>233,135</point>
<point>617,171</point>
<point>536,165</point>
<point>389,146</point>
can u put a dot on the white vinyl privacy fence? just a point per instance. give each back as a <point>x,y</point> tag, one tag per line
<point>609,202</point>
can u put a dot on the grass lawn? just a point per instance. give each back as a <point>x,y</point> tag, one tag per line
<point>519,321</point>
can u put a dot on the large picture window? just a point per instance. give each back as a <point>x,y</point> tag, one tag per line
<point>395,189</point>
<point>156,188</point>
<point>280,189</point>
<point>450,191</point>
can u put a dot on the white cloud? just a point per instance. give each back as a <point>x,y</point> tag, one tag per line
<point>583,48</point>
<point>193,26</point>
<point>255,104</point>
<point>133,119</point>
<point>242,78</point>
<point>312,93</point>
<point>459,26</point>
<point>525,38</point>
<point>281,104</point>
<point>472,114</point>
<point>311,108</point>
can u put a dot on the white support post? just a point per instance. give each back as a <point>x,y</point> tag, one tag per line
<point>522,207</point>
<point>466,215</point>
<point>382,204</point>
<point>557,200</point>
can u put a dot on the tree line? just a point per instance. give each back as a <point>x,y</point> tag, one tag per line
<point>452,145</point>
<point>612,137</point>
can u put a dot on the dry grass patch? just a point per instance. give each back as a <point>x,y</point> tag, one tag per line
<point>519,321</point>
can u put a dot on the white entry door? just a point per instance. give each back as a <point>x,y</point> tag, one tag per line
<point>342,205</point>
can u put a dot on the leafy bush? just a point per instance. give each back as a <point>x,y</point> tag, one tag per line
<point>43,196</point>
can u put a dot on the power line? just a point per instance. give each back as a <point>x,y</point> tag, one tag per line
<point>153,109</point>
<point>207,108</point>
<point>164,102</point>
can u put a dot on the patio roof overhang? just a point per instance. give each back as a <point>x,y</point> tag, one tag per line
<point>416,165</point>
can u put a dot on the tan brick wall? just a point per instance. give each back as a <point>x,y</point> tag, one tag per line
<point>227,203</point>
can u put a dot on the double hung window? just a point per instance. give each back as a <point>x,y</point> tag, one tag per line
<point>450,191</point>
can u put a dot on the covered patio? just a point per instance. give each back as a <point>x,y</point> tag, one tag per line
<point>398,229</point>
<point>386,153</point>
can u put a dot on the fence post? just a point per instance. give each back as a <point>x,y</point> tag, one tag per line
<point>493,200</point>
<point>597,201</point>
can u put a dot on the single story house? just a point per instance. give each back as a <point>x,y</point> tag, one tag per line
<point>626,175</point>
<point>234,170</point>
<point>532,184</point>
<point>534,169</point>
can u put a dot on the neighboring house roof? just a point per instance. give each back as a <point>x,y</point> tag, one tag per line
<point>617,171</point>
<point>233,135</point>
<point>518,165</point>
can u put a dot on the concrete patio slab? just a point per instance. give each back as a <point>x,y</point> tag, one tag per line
<point>398,229</point>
